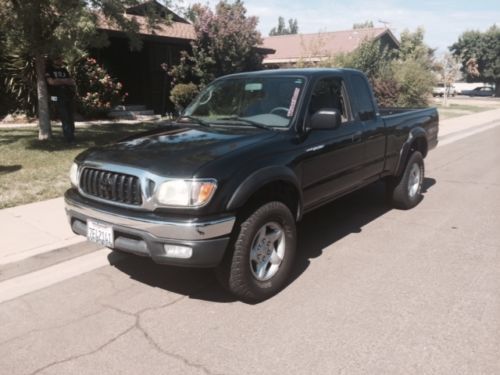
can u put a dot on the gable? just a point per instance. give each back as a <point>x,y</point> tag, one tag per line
<point>155,7</point>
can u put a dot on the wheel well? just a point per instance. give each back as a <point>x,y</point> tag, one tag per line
<point>419,144</point>
<point>280,191</point>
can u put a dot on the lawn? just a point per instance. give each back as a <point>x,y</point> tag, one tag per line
<point>456,110</point>
<point>32,170</point>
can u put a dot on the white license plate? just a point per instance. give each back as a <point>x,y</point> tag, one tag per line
<point>100,233</point>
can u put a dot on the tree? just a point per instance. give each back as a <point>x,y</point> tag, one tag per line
<point>479,53</point>
<point>293,26</point>
<point>448,69</point>
<point>226,42</point>
<point>399,78</point>
<point>281,29</point>
<point>369,57</point>
<point>412,46</point>
<point>363,25</point>
<point>36,29</point>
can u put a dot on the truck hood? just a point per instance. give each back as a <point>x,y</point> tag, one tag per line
<point>175,151</point>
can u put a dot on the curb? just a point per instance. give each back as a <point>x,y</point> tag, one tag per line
<point>46,259</point>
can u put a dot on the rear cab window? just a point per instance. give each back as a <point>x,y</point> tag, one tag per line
<point>365,108</point>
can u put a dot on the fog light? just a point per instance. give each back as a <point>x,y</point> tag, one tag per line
<point>182,252</point>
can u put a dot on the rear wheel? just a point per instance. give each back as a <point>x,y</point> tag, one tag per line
<point>263,253</point>
<point>405,192</point>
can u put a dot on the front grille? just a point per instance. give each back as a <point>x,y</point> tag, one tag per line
<point>115,187</point>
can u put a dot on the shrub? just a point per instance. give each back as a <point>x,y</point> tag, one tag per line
<point>182,94</point>
<point>403,79</point>
<point>386,90</point>
<point>97,91</point>
<point>415,83</point>
<point>18,86</point>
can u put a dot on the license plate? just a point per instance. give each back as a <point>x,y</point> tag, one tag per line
<point>100,233</point>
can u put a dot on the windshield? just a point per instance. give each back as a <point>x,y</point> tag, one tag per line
<point>264,101</point>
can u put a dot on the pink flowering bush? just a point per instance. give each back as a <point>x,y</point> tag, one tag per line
<point>97,91</point>
<point>226,42</point>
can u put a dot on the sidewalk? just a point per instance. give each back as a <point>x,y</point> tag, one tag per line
<point>42,227</point>
<point>34,229</point>
<point>468,122</point>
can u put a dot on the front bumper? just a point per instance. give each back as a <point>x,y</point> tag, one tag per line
<point>144,233</point>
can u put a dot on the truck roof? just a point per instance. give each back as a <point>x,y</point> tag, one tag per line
<point>307,72</point>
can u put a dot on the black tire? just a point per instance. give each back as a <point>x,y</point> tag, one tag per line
<point>398,189</point>
<point>236,272</point>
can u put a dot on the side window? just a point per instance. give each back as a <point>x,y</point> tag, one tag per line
<point>329,93</point>
<point>366,110</point>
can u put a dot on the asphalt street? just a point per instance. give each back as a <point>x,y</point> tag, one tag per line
<point>374,291</point>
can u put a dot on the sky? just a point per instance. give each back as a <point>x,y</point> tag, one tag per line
<point>443,20</point>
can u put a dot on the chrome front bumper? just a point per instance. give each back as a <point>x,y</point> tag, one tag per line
<point>146,234</point>
<point>178,230</point>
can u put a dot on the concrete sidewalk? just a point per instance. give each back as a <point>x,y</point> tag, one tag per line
<point>468,122</point>
<point>42,227</point>
<point>34,229</point>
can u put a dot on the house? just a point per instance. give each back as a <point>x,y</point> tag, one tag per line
<point>140,72</point>
<point>292,49</point>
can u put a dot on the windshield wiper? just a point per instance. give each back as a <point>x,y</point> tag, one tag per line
<point>246,121</point>
<point>195,119</point>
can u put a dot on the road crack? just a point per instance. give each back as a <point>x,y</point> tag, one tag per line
<point>136,325</point>
<point>160,350</point>
<point>74,357</point>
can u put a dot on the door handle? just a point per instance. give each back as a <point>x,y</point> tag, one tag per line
<point>356,137</point>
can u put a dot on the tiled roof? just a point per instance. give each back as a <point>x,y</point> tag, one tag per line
<point>177,30</point>
<point>313,47</point>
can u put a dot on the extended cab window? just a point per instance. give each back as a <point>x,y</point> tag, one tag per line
<point>329,94</point>
<point>366,109</point>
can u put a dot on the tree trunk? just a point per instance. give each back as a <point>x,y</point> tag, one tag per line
<point>44,128</point>
<point>497,88</point>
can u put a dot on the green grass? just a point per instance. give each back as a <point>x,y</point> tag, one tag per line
<point>457,110</point>
<point>33,170</point>
<point>464,107</point>
<point>443,115</point>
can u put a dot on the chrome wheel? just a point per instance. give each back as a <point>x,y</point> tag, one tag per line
<point>414,180</point>
<point>267,251</point>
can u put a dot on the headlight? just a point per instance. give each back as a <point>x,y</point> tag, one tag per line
<point>186,193</point>
<point>73,174</point>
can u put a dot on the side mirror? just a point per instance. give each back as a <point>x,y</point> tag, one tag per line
<point>326,118</point>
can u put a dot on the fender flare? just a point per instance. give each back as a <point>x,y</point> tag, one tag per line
<point>259,179</point>
<point>415,133</point>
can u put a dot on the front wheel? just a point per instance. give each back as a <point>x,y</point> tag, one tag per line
<point>406,191</point>
<point>262,256</point>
